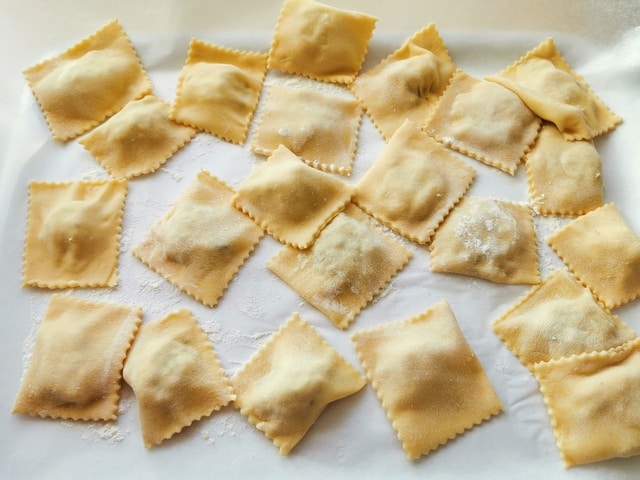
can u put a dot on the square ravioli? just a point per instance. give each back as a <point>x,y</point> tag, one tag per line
<point>594,403</point>
<point>349,263</point>
<point>322,129</point>
<point>73,234</point>
<point>490,239</point>
<point>603,252</point>
<point>285,386</point>
<point>218,90</point>
<point>484,121</point>
<point>427,378</point>
<point>414,184</point>
<point>559,318</point>
<point>564,177</point>
<point>137,140</point>
<point>291,200</point>
<point>89,82</point>
<point>407,84</point>
<point>76,366</point>
<point>176,376</point>
<point>547,84</point>
<point>319,41</point>
<point>202,241</point>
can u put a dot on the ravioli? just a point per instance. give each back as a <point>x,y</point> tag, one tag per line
<point>76,366</point>
<point>285,386</point>
<point>89,82</point>
<point>427,378</point>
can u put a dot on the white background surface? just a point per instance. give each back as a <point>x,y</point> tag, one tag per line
<point>599,39</point>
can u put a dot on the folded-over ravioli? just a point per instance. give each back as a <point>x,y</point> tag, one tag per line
<point>484,121</point>
<point>218,90</point>
<point>603,252</point>
<point>202,241</point>
<point>547,84</point>
<point>291,200</point>
<point>138,139</point>
<point>559,318</point>
<point>76,365</point>
<point>349,263</point>
<point>319,41</point>
<point>285,386</point>
<point>89,82</point>
<point>413,184</point>
<point>176,376</point>
<point>427,378</point>
<point>487,238</point>
<point>594,403</point>
<point>564,178</point>
<point>406,84</point>
<point>73,233</point>
<point>322,129</point>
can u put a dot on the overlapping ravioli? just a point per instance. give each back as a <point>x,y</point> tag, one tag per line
<point>564,178</point>
<point>487,238</point>
<point>218,90</point>
<point>176,376</point>
<point>322,129</point>
<point>414,184</point>
<point>349,263</point>
<point>89,82</point>
<point>291,200</point>
<point>484,121</point>
<point>73,234</point>
<point>320,41</point>
<point>290,380</point>
<point>594,403</point>
<point>77,360</point>
<point>427,378</point>
<point>138,139</point>
<point>406,84</point>
<point>559,318</point>
<point>603,252</point>
<point>202,241</point>
<point>547,84</point>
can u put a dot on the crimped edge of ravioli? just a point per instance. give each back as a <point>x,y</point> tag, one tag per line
<point>541,368</point>
<point>89,124</point>
<point>186,288</point>
<point>558,60</point>
<point>116,241</point>
<point>189,61</point>
<point>343,79</point>
<point>416,38</point>
<point>149,168</point>
<point>374,384</point>
<point>509,168</point>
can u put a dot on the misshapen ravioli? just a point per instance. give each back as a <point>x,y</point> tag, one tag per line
<point>76,366</point>
<point>291,200</point>
<point>414,184</point>
<point>73,234</point>
<point>176,376</point>
<point>285,386</point>
<point>320,41</point>
<point>218,90</point>
<point>427,378</point>
<point>547,84</point>
<point>559,318</point>
<point>484,121</point>
<point>201,243</point>
<point>349,263</point>
<point>594,403</point>
<point>89,82</point>
<point>407,84</point>
<point>138,139</point>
